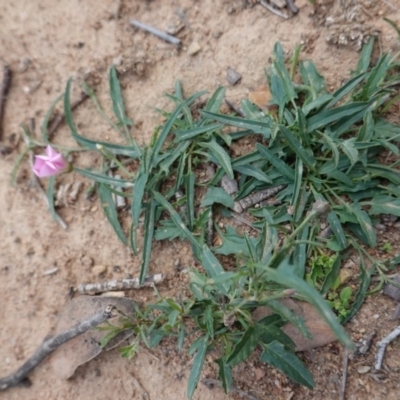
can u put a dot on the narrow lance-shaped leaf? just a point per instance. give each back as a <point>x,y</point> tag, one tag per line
<point>245,346</point>
<point>217,195</point>
<point>100,178</point>
<point>167,127</point>
<point>276,162</point>
<point>254,126</point>
<point>276,355</point>
<point>225,374</point>
<point>221,155</point>
<point>44,127</point>
<point>116,97</point>
<point>284,276</point>
<point>130,151</point>
<point>148,239</point>
<point>107,202</point>
<point>197,367</point>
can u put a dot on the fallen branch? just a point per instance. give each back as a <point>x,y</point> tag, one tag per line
<point>49,345</point>
<point>4,88</point>
<point>123,284</point>
<point>382,344</point>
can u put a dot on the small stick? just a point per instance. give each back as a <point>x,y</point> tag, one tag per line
<point>273,10</point>
<point>237,110</point>
<point>156,32</point>
<point>344,376</point>
<point>4,88</point>
<point>116,285</point>
<point>292,7</point>
<point>256,197</point>
<point>382,344</point>
<point>59,119</point>
<point>49,345</point>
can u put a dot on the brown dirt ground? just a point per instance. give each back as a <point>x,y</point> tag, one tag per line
<point>81,39</point>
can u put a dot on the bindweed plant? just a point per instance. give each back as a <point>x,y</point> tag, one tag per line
<point>318,153</point>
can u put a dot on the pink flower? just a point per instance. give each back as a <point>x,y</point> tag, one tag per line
<point>50,164</point>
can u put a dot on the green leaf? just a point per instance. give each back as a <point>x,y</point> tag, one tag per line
<point>176,218</point>
<point>284,276</point>
<point>268,238</point>
<point>365,56</point>
<point>197,367</point>
<point>214,103</point>
<point>221,155</point>
<point>168,125</point>
<point>168,230</point>
<point>225,375</point>
<point>300,253</point>
<point>298,148</point>
<point>138,193</point>
<point>100,178</point>
<point>198,130</point>
<point>107,202</point>
<point>384,205</point>
<point>337,229</point>
<point>365,223</point>
<point>255,126</point>
<point>340,93</point>
<point>349,149</point>
<point>50,198</point>
<point>251,170</point>
<point>288,315</point>
<point>276,162</point>
<point>150,211</point>
<point>212,266</point>
<point>365,281</point>
<point>190,182</point>
<point>232,242</point>
<point>217,195</point>
<point>276,355</point>
<point>116,97</point>
<point>245,346</point>
<point>44,127</point>
<point>326,117</point>
<point>312,78</point>
<point>129,151</point>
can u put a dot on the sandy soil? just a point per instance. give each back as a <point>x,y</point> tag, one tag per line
<point>46,42</point>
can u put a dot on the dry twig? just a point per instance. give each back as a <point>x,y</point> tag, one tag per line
<point>49,345</point>
<point>123,284</point>
<point>382,344</point>
<point>4,88</point>
<point>344,376</point>
<point>156,32</point>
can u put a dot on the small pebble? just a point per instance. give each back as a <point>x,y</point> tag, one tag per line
<point>363,369</point>
<point>99,269</point>
<point>193,48</point>
<point>233,77</point>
